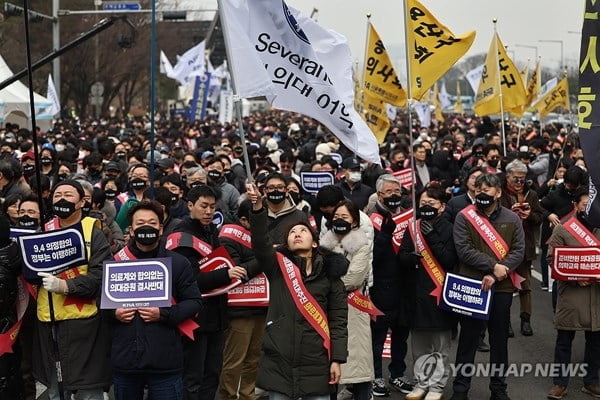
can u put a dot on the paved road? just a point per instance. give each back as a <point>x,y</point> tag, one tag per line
<point>538,348</point>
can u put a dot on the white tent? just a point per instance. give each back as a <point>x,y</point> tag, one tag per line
<point>14,102</point>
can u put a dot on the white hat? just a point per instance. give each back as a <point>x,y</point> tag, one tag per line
<point>323,148</point>
<point>272,144</point>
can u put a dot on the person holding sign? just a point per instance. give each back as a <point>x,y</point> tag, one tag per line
<point>490,244</point>
<point>306,336</point>
<point>83,340</point>
<point>146,344</point>
<point>577,303</point>
<point>195,238</point>
<point>430,326</point>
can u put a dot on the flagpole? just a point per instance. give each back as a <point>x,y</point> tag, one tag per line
<point>410,124</point>
<point>237,101</point>
<point>152,95</point>
<point>363,76</point>
<point>500,89</point>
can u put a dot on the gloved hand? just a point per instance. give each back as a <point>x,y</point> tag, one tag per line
<point>388,225</point>
<point>426,228</point>
<point>53,284</point>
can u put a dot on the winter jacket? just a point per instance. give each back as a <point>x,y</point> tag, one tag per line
<point>476,257</point>
<point>228,203</point>
<point>532,223</point>
<point>357,249</point>
<point>425,313</point>
<point>559,202</point>
<point>456,205</point>
<point>359,194</point>
<point>279,222</point>
<point>213,317</point>
<point>156,347</point>
<point>577,307</point>
<point>293,359</point>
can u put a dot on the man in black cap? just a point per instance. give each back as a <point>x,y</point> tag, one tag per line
<point>351,184</point>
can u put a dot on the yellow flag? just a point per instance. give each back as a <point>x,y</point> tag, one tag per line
<point>488,96</point>
<point>458,107</point>
<point>558,96</point>
<point>380,78</point>
<point>375,115</point>
<point>437,103</point>
<point>525,73</point>
<point>534,85</point>
<point>433,48</point>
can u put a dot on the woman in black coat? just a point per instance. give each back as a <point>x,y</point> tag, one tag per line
<point>294,360</point>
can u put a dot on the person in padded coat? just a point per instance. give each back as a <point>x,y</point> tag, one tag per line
<point>294,361</point>
<point>430,326</point>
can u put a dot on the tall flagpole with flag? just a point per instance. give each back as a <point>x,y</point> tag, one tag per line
<point>53,96</point>
<point>499,76</point>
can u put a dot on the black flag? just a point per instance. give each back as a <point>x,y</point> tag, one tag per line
<point>588,101</point>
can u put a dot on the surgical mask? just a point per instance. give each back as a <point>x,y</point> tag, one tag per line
<point>354,177</point>
<point>110,194</point>
<point>59,148</point>
<point>340,226</point>
<point>276,197</point>
<point>146,235</point>
<point>428,212</point>
<point>318,157</point>
<point>483,201</point>
<point>137,184</point>
<point>28,222</point>
<point>63,208</point>
<point>393,201</point>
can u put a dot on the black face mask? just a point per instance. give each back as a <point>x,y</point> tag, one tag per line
<point>174,198</point>
<point>228,174</point>
<point>393,201</point>
<point>63,208</point>
<point>295,196</point>
<point>532,157</point>
<point>428,212</point>
<point>94,172</point>
<point>46,161</point>
<point>582,216</point>
<point>483,201</point>
<point>428,153</point>
<point>28,222</point>
<point>214,175</point>
<point>195,184</point>
<point>184,178</point>
<point>137,184</point>
<point>146,235</point>
<point>493,163</point>
<point>87,207</point>
<point>111,176</point>
<point>121,155</point>
<point>28,169</point>
<point>340,226</point>
<point>276,197</point>
<point>110,194</point>
<point>556,152</point>
<point>62,177</point>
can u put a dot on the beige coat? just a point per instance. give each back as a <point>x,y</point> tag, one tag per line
<point>578,307</point>
<point>358,250</point>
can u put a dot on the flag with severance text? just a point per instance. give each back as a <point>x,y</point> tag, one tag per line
<point>375,115</point>
<point>589,105</point>
<point>509,82</point>
<point>299,66</point>
<point>557,97</point>
<point>434,49</point>
<point>380,79</point>
<point>189,65</point>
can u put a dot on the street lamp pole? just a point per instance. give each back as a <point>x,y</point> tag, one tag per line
<point>562,59</point>
<point>529,47</point>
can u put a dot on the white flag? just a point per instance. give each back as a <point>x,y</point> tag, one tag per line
<point>474,77</point>
<point>549,85</point>
<point>279,53</point>
<point>53,97</point>
<point>423,111</point>
<point>189,65</point>
<point>391,111</point>
<point>165,64</point>
<point>445,102</point>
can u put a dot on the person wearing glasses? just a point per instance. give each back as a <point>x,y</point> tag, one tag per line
<point>491,158</point>
<point>518,197</point>
<point>281,211</point>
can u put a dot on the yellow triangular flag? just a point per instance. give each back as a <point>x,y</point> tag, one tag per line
<point>525,73</point>
<point>380,79</point>
<point>558,96</point>
<point>488,96</point>
<point>437,104</point>
<point>458,107</point>
<point>433,48</point>
<point>534,85</point>
<point>375,115</point>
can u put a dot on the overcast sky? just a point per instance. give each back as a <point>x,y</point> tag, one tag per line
<point>523,22</point>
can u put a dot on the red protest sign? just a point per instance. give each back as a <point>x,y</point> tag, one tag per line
<point>576,263</point>
<point>217,259</point>
<point>404,176</point>
<point>254,293</point>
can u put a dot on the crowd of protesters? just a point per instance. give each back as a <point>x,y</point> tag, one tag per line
<point>343,239</point>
